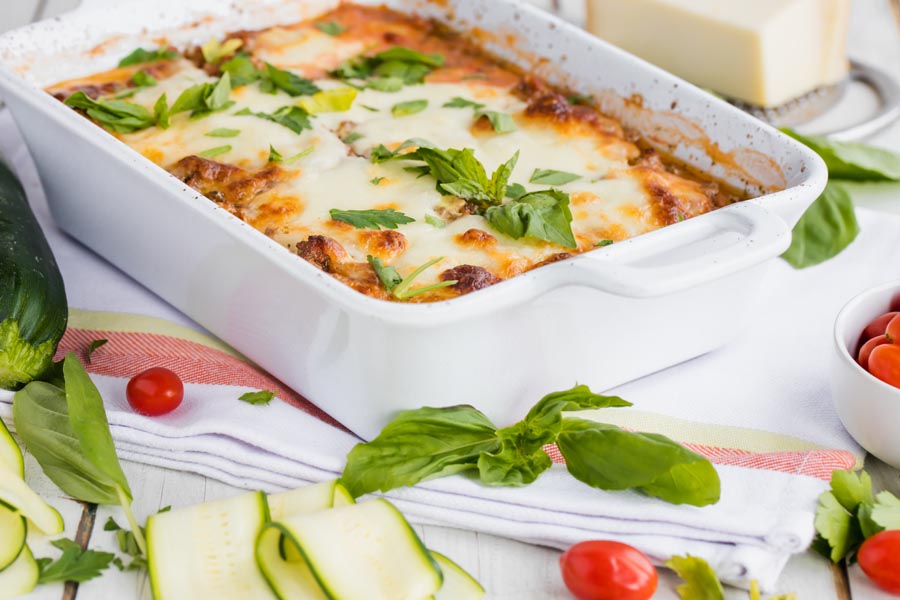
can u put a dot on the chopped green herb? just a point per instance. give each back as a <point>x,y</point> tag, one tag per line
<point>332,28</point>
<point>75,564</point>
<point>389,70</point>
<point>143,56</point>
<point>399,286</point>
<point>551,177</point>
<point>115,115</point>
<point>263,397</point>
<point>582,99</point>
<point>336,100</point>
<point>390,85</point>
<point>242,70</point>
<point>93,347</point>
<point>274,155</point>
<point>291,84</point>
<point>515,190</point>
<point>214,51</point>
<point>293,117</point>
<point>223,132</point>
<point>501,122</point>
<point>435,222</point>
<point>215,151</point>
<point>381,154</point>
<point>299,155</point>
<point>351,137</point>
<point>371,219</point>
<point>543,215</point>
<point>376,180</point>
<point>204,98</point>
<point>369,108</point>
<point>143,79</point>
<point>459,102</point>
<point>409,108</point>
<point>128,545</point>
<point>161,112</point>
<point>603,243</point>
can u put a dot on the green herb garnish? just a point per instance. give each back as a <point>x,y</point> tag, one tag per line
<point>214,51</point>
<point>459,102</point>
<point>376,180</point>
<point>427,443</point>
<point>223,132</point>
<point>261,398</point>
<point>274,155</point>
<point>291,84</point>
<point>543,215</point>
<point>371,219</point>
<point>825,230</point>
<point>204,98</point>
<point>215,151</point>
<point>412,107</point>
<point>390,70</point>
<point>294,118</point>
<point>242,70</point>
<point>353,136</point>
<point>700,581</point>
<point>551,177</point>
<point>435,222</point>
<point>501,122</point>
<point>515,190</point>
<point>75,564</point>
<point>400,286</point>
<point>143,79</point>
<point>332,28</point>
<point>335,100</point>
<point>143,56</point>
<point>115,115</point>
<point>603,243</point>
<point>299,155</point>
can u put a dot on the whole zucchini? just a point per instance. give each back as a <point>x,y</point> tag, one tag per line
<point>33,308</point>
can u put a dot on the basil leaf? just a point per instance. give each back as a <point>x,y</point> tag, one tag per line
<point>501,122</point>
<point>521,458</point>
<point>215,151</point>
<point>242,70</point>
<point>371,219</point>
<point>263,397</point>
<point>551,177</point>
<point>543,215</point>
<point>515,190</point>
<point>290,83</point>
<point>204,98</point>
<point>293,117</point>
<point>161,112</point>
<point>418,445</point>
<point>328,101</point>
<point>825,230</point>
<point>409,108</point>
<point>388,85</point>
<point>115,115</point>
<point>142,56</point>
<point>610,458</point>
<point>75,564</point>
<point>458,172</point>
<point>388,71</point>
<point>402,54</point>
<point>849,160</point>
<point>547,413</point>
<point>332,28</point>
<point>143,79</point>
<point>700,581</point>
<point>603,243</point>
<point>459,102</point>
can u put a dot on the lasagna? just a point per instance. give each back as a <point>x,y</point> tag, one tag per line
<point>391,153</point>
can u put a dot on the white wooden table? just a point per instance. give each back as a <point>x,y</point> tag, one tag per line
<point>509,570</point>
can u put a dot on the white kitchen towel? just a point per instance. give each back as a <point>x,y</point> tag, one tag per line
<point>759,408</point>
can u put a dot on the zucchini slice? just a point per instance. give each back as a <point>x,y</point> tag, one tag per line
<point>20,577</point>
<point>207,552</point>
<point>365,551</point>
<point>16,493</point>
<point>308,499</point>
<point>10,454</point>
<point>13,530</point>
<point>458,585</point>
<point>283,566</point>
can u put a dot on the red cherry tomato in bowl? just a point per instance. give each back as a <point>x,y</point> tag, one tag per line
<point>604,570</point>
<point>879,558</point>
<point>884,363</point>
<point>866,351</point>
<point>155,392</point>
<point>893,330</point>
<point>878,326</point>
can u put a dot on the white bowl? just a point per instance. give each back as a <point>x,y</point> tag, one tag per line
<point>868,407</point>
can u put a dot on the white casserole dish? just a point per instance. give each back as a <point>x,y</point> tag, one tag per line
<point>603,318</point>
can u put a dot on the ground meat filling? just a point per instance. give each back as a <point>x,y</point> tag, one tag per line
<point>229,186</point>
<point>470,278</point>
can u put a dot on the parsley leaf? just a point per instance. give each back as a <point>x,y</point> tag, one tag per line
<point>215,151</point>
<point>543,215</point>
<point>328,101</point>
<point>501,122</point>
<point>293,117</point>
<point>459,102</point>
<point>263,397</point>
<point>412,107</point>
<point>92,347</point>
<point>293,85</point>
<point>371,219</point>
<point>332,28</point>
<point>700,583</point>
<point>242,70</point>
<point>115,115</point>
<point>141,55</point>
<point>75,564</point>
<point>223,132</point>
<point>551,177</point>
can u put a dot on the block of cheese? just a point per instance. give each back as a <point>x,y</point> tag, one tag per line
<point>765,52</point>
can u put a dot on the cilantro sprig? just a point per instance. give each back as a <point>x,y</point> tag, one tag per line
<point>75,564</point>
<point>399,286</point>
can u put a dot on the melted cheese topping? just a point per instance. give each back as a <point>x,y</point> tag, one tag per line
<point>616,196</point>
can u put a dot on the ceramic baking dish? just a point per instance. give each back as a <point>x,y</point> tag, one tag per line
<point>603,318</point>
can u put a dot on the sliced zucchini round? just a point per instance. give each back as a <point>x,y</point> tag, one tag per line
<point>289,580</point>
<point>458,585</point>
<point>20,577</point>
<point>10,455</point>
<point>306,500</point>
<point>15,492</point>
<point>13,530</point>
<point>207,552</point>
<point>361,552</point>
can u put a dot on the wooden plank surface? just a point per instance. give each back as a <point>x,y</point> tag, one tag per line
<point>508,569</point>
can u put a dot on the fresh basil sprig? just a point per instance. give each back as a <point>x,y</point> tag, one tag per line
<point>428,443</point>
<point>852,161</point>
<point>67,432</point>
<point>827,227</point>
<point>140,55</point>
<point>115,115</point>
<point>204,98</point>
<point>390,70</point>
<point>543,215</point>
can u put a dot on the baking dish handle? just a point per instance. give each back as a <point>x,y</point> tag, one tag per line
<point>684,255</point>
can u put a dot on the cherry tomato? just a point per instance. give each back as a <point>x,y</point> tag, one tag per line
<point>867,348</point>
<point>879,557</point>
<point>604,570</point>
<point>884,363</point>
<point>893,330</point>
<point>878,326</point>
<point>155,392</point>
